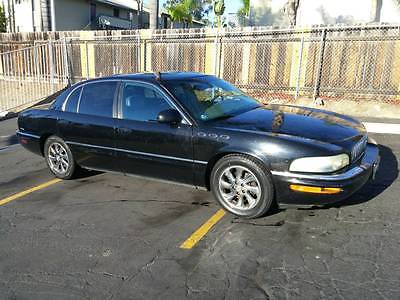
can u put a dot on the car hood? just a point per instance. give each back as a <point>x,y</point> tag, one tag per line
<point>302,122</point>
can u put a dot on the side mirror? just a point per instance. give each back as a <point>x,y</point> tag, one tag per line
<point>169,116</point>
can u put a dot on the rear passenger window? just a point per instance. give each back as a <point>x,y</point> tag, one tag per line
<point>72,101</point>
<point>97,99</point>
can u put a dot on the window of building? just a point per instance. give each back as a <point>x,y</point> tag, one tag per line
<point>92,12</point>
<point>116,12</point>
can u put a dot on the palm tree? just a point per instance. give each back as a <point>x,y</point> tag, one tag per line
<point>153,6</point>
<point>219,9</point>
<point>182,11</point>
<point>244,12</point>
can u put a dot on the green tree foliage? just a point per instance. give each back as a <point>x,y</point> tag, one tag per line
<point>245,9</point>
<point>244,12</point>
<point>219,9</point>
<point>3,20</point>
<point>185,11</point>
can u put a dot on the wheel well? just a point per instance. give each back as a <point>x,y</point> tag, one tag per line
<point>219,156</point>
<point>43,139</point>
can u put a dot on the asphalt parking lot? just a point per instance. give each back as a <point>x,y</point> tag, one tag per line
<point>107,236</point>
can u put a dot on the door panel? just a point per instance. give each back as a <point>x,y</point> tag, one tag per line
<point>88,127</point>
<point>155,150</point>
<point>147,147</point>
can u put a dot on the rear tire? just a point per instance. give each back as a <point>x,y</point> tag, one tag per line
<point>59,158</point>
<point>242,186</point>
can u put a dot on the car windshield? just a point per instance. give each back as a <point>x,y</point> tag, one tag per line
<point>209,98</point>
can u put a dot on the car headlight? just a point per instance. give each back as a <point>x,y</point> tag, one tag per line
<point>321,164</point>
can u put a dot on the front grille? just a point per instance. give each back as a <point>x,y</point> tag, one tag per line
<point>359,148</point>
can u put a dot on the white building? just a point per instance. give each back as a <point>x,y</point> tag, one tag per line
<point>316,12</point>
<point>46,15</point>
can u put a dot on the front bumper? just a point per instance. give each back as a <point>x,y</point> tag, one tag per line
<point>349,181</point>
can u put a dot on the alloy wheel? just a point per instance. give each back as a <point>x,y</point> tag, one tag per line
<point>239,188</point>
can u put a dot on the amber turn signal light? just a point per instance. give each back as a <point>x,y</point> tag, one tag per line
<point>315,189</point>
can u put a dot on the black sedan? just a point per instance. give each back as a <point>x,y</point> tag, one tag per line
<point>201,131</point>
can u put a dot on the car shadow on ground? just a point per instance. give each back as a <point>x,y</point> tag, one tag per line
<point>8,141</point>
<point>387,173</point>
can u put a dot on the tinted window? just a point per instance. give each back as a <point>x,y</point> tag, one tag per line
<point>142,103</point>
<point>97,99</point>
<point>72,101</point>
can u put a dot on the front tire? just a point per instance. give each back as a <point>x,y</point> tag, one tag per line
<point>59,158</point>
<point>242,186</point>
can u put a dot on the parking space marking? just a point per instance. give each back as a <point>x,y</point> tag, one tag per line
<point>202,230</point>
<point>28,191</point>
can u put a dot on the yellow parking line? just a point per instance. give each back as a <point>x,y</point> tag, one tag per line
<point>28,191</point>
<point>202,230</point>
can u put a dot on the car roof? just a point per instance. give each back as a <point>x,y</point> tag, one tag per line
<point>151,76</point>
<point>147,77</point>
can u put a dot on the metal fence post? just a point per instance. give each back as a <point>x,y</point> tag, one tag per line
<point>66,62</point>
<point>138,53</point>
<point>320,63</point>
<point>299,70</point>
<point>216,55</point>
<point>220,56</point>
<point>51,65</point>
<point>87,59</point>
<point>144,55</point>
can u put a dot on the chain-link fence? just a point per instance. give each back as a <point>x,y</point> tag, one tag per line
<point>355,63</point>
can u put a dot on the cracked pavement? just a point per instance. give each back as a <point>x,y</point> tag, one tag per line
<point>108,236</point>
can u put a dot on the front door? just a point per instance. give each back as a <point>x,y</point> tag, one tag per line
<point>146,147</point>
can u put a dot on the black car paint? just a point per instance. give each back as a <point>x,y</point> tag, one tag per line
<point>275,135</point>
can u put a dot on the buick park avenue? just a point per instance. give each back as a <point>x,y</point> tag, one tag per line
<point>199,130</point>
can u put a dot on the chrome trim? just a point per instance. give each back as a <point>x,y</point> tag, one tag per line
<point>139,153</point>
<point>28,134</point>
<point>370,158</point>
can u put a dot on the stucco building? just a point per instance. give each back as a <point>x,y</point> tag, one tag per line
<point>317,12</point>
<point>47,15</point>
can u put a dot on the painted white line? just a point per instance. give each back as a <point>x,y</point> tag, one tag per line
<point>382,128</point>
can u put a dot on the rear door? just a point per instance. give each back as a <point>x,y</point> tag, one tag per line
<point>87,124</point>
<point>146,147</point>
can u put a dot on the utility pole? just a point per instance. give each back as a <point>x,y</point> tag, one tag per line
<point>53,15</point>
<point>153,5</point>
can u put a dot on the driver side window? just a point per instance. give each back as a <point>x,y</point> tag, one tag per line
<point>141,102</point>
